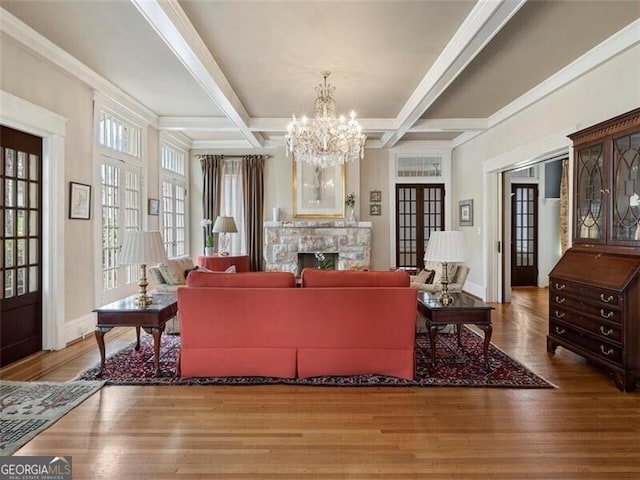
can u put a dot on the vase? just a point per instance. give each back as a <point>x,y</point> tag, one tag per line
<point>209,251</point>
<point>352,214</point>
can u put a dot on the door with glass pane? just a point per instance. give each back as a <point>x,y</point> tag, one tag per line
<point>524,235</point>
<point>20,245</point>
<point>419,211</point>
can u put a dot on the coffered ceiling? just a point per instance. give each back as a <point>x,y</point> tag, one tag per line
<point>229,74</point>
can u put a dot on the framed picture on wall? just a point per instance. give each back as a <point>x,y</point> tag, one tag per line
<point>375,196</point>
<point>154,206</point>
<point>465,213</point>
<point>318,192</point>
<point>375,209</point>
<point>79,201</point>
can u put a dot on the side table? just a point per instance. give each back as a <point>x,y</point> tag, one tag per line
<point>464,310</point>
<point>126,313</point>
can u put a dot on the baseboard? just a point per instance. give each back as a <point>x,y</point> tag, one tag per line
<point>78,328</point>
<point>476,290</point>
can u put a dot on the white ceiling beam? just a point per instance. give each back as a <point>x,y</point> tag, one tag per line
<point>485,20</point>
<point>173,26</point>
<point>448,125</point>
<point>203,124</point>
<point>279,125</point>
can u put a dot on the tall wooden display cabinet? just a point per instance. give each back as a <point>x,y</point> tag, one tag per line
<point>594,290</point>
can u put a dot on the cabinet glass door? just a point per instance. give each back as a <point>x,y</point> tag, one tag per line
<point>625,224</point>
<point>590,207</point>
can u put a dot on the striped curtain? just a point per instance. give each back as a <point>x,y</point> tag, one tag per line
<point>253,193</point>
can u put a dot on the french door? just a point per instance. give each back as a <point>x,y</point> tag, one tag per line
<point>524,234</point>
<point>419,211</point>
<point>20,245</point>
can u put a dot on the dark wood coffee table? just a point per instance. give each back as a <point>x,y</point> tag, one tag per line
<point>464,310</point>
<point>126,313</point>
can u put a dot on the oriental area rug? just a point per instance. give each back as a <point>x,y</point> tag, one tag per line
<point>30,407</point>
<point>455,367</point>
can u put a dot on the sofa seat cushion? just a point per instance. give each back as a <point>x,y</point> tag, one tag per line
<point>353,278</point>
<point>242,280</point>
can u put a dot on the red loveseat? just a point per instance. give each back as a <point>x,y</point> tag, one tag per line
<point>260,324</point>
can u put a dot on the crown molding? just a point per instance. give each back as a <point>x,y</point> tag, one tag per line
<point>178,139</point>
<point>614,45</point>
<point>50,52</point>
<point>221,144</point>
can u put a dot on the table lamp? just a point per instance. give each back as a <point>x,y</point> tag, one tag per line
<point>224,226</point>
<point>446,247</point>
<point>142,248</point>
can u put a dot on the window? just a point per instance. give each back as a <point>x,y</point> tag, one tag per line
<point>174,194</point>
<point>120,175</point>
<point>232,203</point>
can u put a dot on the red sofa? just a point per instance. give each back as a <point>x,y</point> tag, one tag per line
<point>260,324</point>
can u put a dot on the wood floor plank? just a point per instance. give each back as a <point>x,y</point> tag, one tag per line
<point>583,429</point>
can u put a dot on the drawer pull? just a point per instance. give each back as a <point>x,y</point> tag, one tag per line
<point>606,315</point>
<point>560,287</point>
<point>560,299</point>
<point>560,331</point>
<point>606,333</point>
<point>560,314</point>
<point>606,352</point>
<point>606,300</point>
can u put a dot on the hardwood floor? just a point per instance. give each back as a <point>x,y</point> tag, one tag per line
<point>583,429</point>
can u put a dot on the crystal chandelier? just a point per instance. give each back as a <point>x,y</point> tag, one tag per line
<point>325,140</point>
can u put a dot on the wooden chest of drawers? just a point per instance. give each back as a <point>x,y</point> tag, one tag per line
<point>594,311</point>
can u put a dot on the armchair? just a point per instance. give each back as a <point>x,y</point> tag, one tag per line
<point>457,273</point>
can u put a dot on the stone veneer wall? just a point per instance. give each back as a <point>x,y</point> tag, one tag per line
<point>284,240</point>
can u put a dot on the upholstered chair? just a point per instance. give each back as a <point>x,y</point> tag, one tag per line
<point>457,273</point>
<point>167,277</point>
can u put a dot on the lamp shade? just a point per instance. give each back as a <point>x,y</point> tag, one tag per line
<point>446,246</point>
<point>225,225</point>
<point>142,248</point>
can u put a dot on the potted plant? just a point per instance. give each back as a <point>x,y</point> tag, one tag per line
<point>208,237</point>
<point>350,201</point>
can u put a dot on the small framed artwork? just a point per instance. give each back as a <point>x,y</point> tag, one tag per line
<point>375,209</point>
<point>79,201</point>
<point>154,206</point>
<point>465,213</point>
<point>375,196</point>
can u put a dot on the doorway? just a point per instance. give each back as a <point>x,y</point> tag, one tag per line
<point>524,235</point>
<point>419,211</point>
<point>20,245</point>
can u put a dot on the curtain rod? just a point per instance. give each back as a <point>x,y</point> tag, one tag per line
<point>265,155</point>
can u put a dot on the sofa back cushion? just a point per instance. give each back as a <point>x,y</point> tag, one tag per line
<point>241,280</point>
<point>353,278</point>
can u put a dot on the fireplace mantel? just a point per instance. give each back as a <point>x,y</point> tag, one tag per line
<point>284,240</point>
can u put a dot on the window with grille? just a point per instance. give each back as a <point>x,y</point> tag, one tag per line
<point>120,194</point>
<point>413,166</point>
<point>119,135</point>
<point>174,195</point>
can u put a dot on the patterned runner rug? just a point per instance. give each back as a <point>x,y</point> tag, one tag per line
<point>455,367</point>
<point>30,407</point>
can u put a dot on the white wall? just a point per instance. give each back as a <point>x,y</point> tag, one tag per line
<point>606,91</point>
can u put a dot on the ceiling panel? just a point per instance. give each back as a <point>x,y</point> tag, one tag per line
<point>542,38</point>
<point>113,39</point>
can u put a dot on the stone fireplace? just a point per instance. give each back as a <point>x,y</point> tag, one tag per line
<point>349,242</point>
